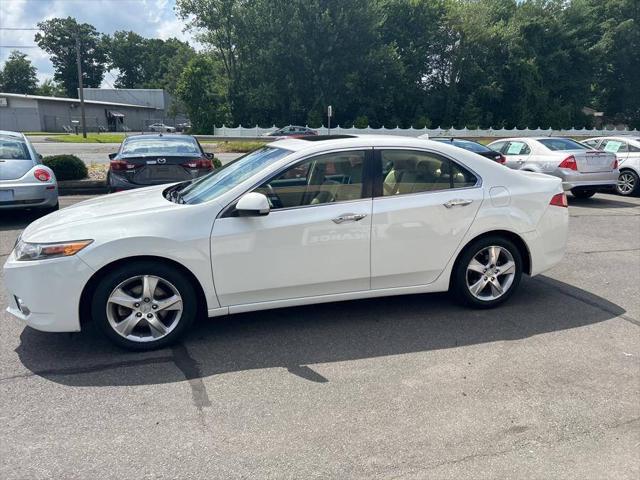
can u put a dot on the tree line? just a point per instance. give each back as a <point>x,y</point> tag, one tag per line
<point>474,63</point>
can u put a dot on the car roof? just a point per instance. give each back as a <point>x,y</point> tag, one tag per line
<point>158,136</point>
<point>320,143</point>
<point>9,133</point>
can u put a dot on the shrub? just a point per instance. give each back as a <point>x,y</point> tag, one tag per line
<point>66,167</point>
<point>216,162</point>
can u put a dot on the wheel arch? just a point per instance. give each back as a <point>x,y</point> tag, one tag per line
<point>516,239</point>
<point>90,287</point>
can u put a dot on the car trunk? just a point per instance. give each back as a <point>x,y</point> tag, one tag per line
<point>592,161</point>
<point>151,170</point>
<point>14,169</point>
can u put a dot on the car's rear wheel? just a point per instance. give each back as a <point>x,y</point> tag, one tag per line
<point>487,272</point>
<point>145,305</point>
<point>628,183</point>
<point>582,192</point>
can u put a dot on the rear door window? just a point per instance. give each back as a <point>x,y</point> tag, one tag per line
<point>411,171</point>
<point>13,149</point>
<point>517,148</point>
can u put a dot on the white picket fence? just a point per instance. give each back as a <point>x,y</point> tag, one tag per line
<point>254,132</point>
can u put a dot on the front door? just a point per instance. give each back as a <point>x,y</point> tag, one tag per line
<point>424,205</point>
<point>314,241</point>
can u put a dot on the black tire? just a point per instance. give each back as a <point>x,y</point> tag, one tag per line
<point>166,272</point>
<point>632,181</point>
<point>582,192</point>
<point>459,288</point>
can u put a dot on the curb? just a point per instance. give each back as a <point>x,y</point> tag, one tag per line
<point>82,187</point>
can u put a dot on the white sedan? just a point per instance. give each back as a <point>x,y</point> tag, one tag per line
<point>300,221</point>
<point>583,171</point>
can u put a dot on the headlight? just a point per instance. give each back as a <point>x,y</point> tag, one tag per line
<point>42,251</point>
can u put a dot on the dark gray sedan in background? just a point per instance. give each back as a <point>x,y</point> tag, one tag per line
<point>24,181</point>
<point>144,160</point>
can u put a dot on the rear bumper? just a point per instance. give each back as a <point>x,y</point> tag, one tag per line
<point>29,195</point>
<point>548,242</point>
<point>599,180</point>
<point>119,182</point>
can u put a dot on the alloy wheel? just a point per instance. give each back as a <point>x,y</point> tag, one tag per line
<point>626,183</point>
<point>144,308</point>
<point>490,273</point>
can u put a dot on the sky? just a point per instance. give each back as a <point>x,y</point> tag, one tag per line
<point>149,18</point>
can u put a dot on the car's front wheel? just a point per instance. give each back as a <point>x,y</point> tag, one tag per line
<point>144,305</point>
<point>628,183</point>
<point>582,192</point>
<point>487,272</point>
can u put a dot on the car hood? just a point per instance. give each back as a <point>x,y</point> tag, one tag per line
<point>88,215</point>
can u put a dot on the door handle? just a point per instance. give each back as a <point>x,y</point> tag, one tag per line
<point>349,217</point>
<point>458,202</point>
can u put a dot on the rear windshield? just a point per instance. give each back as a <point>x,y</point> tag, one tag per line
<point>141,146</point>
<point>555,144</point>
<point>467,145</point>
<point>13,149</point>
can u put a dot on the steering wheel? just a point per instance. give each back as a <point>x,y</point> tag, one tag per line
<point>273,197</point>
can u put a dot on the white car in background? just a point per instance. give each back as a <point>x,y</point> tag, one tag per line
<point>627,151</point>
<point>583,171</point>
<point>161,128</point>
<point>300,221</point>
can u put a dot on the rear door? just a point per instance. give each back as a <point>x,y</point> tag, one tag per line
<point>423,206</point>
<point>517,154</point>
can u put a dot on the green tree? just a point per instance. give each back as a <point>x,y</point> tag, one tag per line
<point>203,93</point>
<point>18,75</point>
<point>127,52</point>
<point>51,88</point>
<point>57,37</point>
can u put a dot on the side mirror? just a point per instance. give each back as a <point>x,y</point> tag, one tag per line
<point>253,204</point>
<point>208,155</point>
<point>40,157</point>
<point>112,156</point>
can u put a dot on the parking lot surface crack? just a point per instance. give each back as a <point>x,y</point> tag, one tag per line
<point>85,369</point>
<point>191,371</point>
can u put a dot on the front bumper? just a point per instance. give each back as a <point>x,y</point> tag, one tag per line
<point>599,180</point>
<point>50,289</point>
<point>29,195</point>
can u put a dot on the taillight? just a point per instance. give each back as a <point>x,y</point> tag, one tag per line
<point>42,175</point>
<point>569,163</point>
<point>200,163</point>
<point>559,200</point>
<point>501,159</point>
<point>121,165</point>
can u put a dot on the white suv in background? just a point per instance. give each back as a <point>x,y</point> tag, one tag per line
<point>582,170</point>
<point>627,151</point>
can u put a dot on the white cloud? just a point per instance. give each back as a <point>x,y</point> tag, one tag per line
<point>149,18</point>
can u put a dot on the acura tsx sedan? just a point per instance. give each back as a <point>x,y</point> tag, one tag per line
<point>300,221</point>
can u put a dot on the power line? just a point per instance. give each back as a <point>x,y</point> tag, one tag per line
<point>18,28</point>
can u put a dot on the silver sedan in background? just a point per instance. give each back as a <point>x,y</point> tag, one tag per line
<point>24,181</point>
<point>627,150</point>
<point>584,171</point>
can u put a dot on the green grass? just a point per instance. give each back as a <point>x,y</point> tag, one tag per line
<point>236,146</point>
<point>91,138</point>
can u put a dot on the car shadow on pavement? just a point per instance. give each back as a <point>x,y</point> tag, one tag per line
<point>18,219</point>
<point>599,201</point>
<point>295,338</point>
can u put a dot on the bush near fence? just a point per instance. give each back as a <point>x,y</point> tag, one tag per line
<point>66,167</point>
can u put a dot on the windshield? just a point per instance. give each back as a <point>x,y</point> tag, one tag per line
<point>141,146</point>
<point>555,144</point>
<point>232,174</point>
<point>13,149</point>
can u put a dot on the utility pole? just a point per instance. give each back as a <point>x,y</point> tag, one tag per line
<point>80,86</point>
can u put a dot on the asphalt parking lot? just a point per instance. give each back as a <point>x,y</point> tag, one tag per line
<point>413,387</point>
